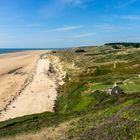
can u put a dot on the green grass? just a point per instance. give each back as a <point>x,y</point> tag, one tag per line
<point>131,87</point>
<point>128,87</point>
<point>84,102</point>
<point>101,87</point>
<point>112,121</point>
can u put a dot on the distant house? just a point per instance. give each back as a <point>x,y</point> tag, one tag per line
<point>116,90</point>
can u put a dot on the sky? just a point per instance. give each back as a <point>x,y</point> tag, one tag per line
<point>68,23</point>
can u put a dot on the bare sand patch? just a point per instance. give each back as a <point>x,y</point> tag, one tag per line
<point>15,68</point>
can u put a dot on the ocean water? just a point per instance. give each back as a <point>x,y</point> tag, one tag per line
<point>12,50</point>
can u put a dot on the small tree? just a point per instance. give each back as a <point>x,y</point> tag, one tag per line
<point>115,47</point>
<point>136,45</point>
<point>80,50</point>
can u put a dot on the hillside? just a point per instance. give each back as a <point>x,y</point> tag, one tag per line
<point>84,109</point>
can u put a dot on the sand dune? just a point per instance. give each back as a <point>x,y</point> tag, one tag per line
<point>38,93</point>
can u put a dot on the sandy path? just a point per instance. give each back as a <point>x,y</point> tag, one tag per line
<point>39,96</point>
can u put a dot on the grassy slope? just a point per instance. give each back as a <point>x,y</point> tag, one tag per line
<point>100,116</point>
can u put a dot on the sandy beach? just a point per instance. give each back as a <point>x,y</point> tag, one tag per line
<point>28,84</point>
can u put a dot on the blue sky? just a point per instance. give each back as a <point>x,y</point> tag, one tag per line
<point>68,23</point>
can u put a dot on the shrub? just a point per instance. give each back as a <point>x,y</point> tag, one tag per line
<point>79,50</point>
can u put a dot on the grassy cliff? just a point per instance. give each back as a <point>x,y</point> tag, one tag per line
<point>83,101</point>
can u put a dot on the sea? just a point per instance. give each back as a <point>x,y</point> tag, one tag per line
<point>12,50</point>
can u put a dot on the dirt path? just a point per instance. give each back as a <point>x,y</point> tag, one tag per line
<point>38,96</point>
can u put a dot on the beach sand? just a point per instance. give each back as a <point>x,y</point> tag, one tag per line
<point>28,84</point>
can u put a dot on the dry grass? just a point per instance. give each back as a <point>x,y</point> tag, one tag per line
<point>52,133</point>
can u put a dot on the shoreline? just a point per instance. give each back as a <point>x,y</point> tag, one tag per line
<point>24,51</point>
<point>33,98</point>
<point>18,50</point>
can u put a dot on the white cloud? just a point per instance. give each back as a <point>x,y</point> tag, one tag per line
<point>66,28</point>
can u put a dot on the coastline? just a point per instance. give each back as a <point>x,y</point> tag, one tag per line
<point>38,90</point>
<point>8,51</point>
